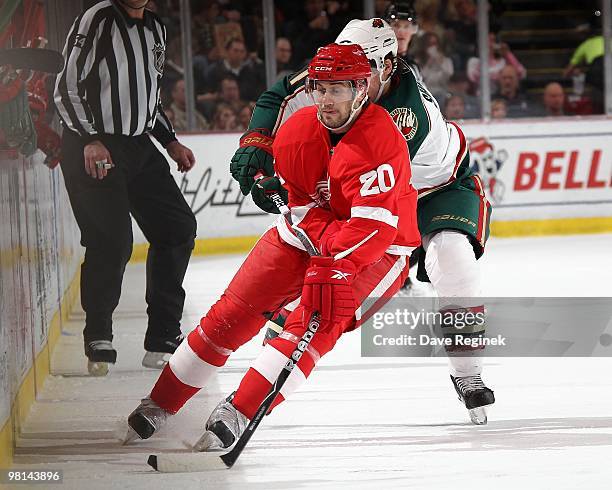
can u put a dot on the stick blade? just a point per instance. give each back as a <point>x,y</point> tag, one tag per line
<point>229,458</point>
<point>185,462</point>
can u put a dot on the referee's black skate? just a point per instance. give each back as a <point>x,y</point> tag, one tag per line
<point>475,395</point>
<point>100,354</point>
<point>158,350</point>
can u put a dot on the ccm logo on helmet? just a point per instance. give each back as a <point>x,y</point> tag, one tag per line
<point>323,68</point>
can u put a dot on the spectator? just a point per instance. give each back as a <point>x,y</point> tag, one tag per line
<point>589,55</point>
<point>461,35</point>
<point>173,69</point>
<point>224,118</point>
<point>499,56</point>
<point>228,93</point>
<point>436,67</point>
<point>283,57</point>
<point>380,7</point>
<point>244,116</point>
<point>454,108</point>
<point>429,20</point>
<point>312,28</point>
<point>251,23</point>
<point>231,13</point>
<point>168,15</point>
<point>205,14</point>
<point>460,85</point>
<point>249,73</point>
<point>588,60</point>
<point>509,90</point>
<point>553,100</point>
<point>499,109</point>
<point>179,108</point>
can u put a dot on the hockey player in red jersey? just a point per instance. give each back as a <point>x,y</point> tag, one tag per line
<point>453,212</point>
<point>346,168</point>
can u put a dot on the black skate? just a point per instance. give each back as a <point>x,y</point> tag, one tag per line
<point>145,420</point>
<point>223,428</point>
<point>100,354</point>
<point>159,350</point>
<point>474,394</point>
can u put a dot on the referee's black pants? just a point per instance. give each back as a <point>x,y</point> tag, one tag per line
<point>140,184</point>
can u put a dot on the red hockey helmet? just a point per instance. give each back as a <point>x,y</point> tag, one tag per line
<point>339,62</point>
<point>337,74</point>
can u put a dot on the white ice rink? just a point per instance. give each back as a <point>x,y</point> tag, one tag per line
<point>357,423</point>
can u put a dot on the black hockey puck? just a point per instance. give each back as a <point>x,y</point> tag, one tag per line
<point>152,461</point>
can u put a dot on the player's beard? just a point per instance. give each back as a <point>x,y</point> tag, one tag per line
<point>334,117</point>
<point>333,120</point>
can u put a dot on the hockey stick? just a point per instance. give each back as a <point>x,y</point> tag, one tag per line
<point>230,458</point>
<point>181,462</point>
<point>313,324</point>
<point>36,59</point>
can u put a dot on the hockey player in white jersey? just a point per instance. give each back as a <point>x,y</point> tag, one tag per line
<point>453,212</point>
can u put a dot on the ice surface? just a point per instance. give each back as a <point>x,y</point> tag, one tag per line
<point>357,423</point>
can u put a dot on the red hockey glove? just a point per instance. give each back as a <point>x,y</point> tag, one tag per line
<point>327,289</point>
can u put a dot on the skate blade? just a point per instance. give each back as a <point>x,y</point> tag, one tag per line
<point>478,415</point>
<point>155,360</point>
<point>185,462</point>
<point>97,369</point>
<point>209,442</point>
<point>130,437</point>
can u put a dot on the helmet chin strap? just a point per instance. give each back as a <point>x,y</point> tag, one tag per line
<point>383,84</point>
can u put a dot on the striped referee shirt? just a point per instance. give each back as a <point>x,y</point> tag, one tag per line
<point>110,82</point>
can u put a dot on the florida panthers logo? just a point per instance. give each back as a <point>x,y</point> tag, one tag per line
<point>487,162</point>
<point>406,121</point>
<point>159,58</point>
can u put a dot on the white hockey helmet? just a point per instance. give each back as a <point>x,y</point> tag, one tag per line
<point>375,36</point>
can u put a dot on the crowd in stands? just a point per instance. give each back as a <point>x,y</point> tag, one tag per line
<point>229,70</point>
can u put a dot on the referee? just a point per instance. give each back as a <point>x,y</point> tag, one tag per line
<point>108,100</point>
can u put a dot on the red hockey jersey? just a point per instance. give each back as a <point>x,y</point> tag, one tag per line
<point>361,184</point>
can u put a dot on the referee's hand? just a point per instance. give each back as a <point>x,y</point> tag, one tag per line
<point>97,159</point>
<point>182,155</point>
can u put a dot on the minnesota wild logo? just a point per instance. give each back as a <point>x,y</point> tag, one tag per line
<point>159,57</point>
<point>406,121</point>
